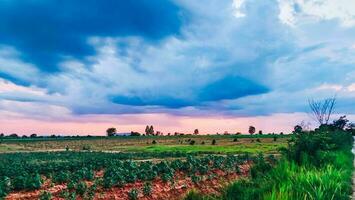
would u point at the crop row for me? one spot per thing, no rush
(117, 172)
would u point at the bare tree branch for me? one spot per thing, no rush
(322, 110)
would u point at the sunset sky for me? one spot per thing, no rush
(79, 67)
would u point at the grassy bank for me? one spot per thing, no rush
(316, 165)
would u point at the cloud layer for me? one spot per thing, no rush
(61, 59)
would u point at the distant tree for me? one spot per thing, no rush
(251, 130)
(14, 135)
(322, 110)
(53, 136)
(111, 131)
(33, 135)
(196, 132)
(2, 135)
(151, 130)
(340, 123)
(133, 133)
(24, 136)
(147, 130)
(297, 129)
(260, 132)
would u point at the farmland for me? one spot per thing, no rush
(100, 167)
(173, 167)
(224, 144)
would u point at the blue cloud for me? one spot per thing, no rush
(228, 87)
(45, 31)
(231, 87)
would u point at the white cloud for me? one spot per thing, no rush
(303, 11)
(238, 6)
(11, 64)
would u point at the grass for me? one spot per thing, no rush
(238, 148)
(225, 144)
(316, 166)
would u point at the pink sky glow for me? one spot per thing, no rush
(97, 124)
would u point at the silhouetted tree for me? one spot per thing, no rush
(260, 132)
(151, 130)
(33, 135)
(340, 123)
(111, 131)
(14, 135)
(322, 110)
(251, 130)
(297, 129)
(196, 132)
(147, 130)
(133, 133)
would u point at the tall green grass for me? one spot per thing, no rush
(314, 167)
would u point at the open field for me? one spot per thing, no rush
(224, 144)
(203, 167)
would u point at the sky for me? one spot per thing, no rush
(68, 67)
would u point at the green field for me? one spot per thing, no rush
(224, 144)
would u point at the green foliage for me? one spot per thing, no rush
(133, 194)
(193, 195)
(45, 196)
(34, 182)
(81, 188)
(147, 189)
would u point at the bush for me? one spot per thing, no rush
(81, 188)
(154, 142)
(193, 195)
(45, 196)
(147, 189)
(133, 194)
(86, 148)
(214, 142)
(19, 182)
(192, 142)
(34, 182)
(61, 177)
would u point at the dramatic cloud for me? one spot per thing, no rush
(177, 58)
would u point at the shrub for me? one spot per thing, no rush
(193, 195)
(61, 177)
(34, 182)
(154, 142)
(19, 182)
(235, 140)
(45, 196)
(195, 179)
(133, 194)
(147, 189)
(81, 188)
(86, 148)
(214, 142)
(192, 142)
